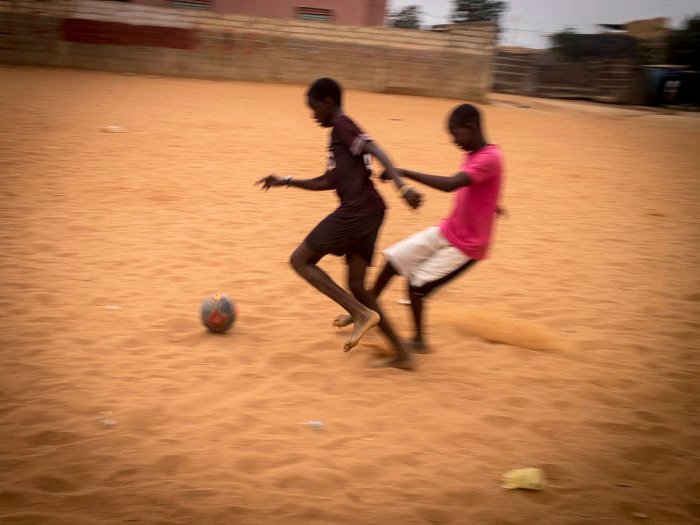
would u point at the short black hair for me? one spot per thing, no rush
(465, 115)
(326, 87)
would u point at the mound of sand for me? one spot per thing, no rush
(497, 328)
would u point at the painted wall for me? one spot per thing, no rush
(124, 37)
(349, 12)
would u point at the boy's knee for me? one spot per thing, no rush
(296, 261)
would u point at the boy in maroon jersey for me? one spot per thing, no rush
(351, 230)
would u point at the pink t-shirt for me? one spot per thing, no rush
(469, 225)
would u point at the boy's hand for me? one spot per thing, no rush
(413, 198)
(384, 176)
(270, 181)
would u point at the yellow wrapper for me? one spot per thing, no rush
(524, 478)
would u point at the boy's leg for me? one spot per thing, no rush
(357, 268)
(387, 273)
(404, 255)
(417, 344)
(417, 294)
(304, 261)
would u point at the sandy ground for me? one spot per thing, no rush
(573, 349)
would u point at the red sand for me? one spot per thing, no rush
(136, 415)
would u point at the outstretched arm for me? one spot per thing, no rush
(412, 197)
(321, 183)
(438, 182)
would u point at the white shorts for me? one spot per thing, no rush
(425, 257)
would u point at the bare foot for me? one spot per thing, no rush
(343, 320)
(395, 362)
(362, 326)
(417, 347)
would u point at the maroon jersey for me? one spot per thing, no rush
(351, 169)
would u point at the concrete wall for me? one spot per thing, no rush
(514, 70)
(124, 37)
(350, 12)
(542, 74)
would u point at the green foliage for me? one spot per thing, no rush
(573, 46)
(478, 11)
(684, 45)
(406, 18)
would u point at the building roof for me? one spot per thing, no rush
(646, 29)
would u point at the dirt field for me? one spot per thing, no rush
(574, 348)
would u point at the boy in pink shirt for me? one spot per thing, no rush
(438, 254)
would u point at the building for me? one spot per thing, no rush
(647, 29)
(348, 12)
(651, 34)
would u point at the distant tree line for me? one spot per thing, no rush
(681, 47)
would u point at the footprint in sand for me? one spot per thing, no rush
(284, 359)
(10, 499)
(170, 465)
(694, 508)
(499, 421)
(517, 402)
(51, 437)
(123, 477)
(648, 416)
(51, 484)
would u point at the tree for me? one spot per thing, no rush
(478, 11)
(406, 18)
(684, 45)
(570, 45)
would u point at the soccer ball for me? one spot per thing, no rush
(218, 312)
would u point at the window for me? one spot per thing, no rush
(313, 13)
(191, 4)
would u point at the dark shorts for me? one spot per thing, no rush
(342, 234)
